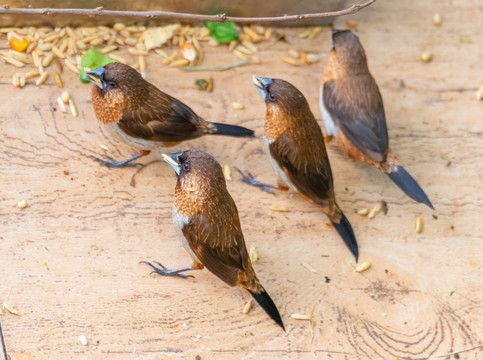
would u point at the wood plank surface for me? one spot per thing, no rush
(69, 262)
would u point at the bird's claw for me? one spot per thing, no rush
(113, 163)
(249, 179)
(162, 270)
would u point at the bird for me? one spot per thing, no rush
(353, 112)
(143, 116)
(297, 153)
(207, 223)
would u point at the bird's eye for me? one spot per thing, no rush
(111, 84)
(186, 167)
(272, 97)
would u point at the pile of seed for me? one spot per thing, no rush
(40, 48)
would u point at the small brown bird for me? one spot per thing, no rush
(353, 112)
(143, 116)
(297, 152)
(206, 220)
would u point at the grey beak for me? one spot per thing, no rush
(173, 160)
(261, 85)
(96, 76)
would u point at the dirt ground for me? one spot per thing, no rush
(69, 262)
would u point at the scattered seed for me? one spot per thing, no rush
(42, 78)
(13, 62)
(268, 33)
(104, 147)
(363, 211)
(108, 49)
(58, 53)
(312, 58)
(253, 254)
(289, 60)
(351, 24)
(251, 33)
(437, 19)
(22, 80)
(180, 63)
(61, 105)
(31, 74)
(363, 267)
(71, 66)
(119, 26)
(142, 63)
(303, 59)
(246, 309)
(305, 34)
(96, 42)
(479, 93)
(58, 80)
(10, 309)
(227, 172)
(281, 208)
(374, 211)
(250, 46)
(65, 97)
(46, 266)
(47, 60)
(309, 268)
(22, 204)
(73, 108)
(294, 53)
(426, 57)
(36, 58)
(419, 225)
(243, 50)
(300, 317)
(161, 52)
(82, 339)
(15, 80)
(237, 106)
(239, 54)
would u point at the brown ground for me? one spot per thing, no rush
(69, 262)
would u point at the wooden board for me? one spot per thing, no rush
(69, 262)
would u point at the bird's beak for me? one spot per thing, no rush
(96, 76)
(173, 160)
(261, 85)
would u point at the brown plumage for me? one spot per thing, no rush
(206, 219)
(297, 151)
(143, 116)
(353, 112)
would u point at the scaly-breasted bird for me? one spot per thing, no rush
(206, 220)
(297, 152)
(352, 112)
(143, 116)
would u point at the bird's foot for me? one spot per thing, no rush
(161, 270)
(250, 180)
(111, 163)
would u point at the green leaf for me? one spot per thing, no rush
(223, 33)
(92, 60)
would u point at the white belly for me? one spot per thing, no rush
(282, 178)
(141, 144)
(179, 223)
(330, 127)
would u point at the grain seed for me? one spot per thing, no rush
(289, 60)
(58, 80)
(61, 105)
(280, 208)
(22, 204)
(363, 211)
(253, 254)
(237, 106)
(374, 211)
(419, 225)
(247, 307)
(73, 109)
(227, 172)
(426, 57)
(363, 267)
(300, 317)
(42, 78)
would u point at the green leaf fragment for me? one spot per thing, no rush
(92, 60)
(222, 32)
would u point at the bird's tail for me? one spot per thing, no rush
(266, 302)
(231, 130)
(344, 229)
(407, 184)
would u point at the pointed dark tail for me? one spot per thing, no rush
(344, 229)
(410, 187)
(232, 130)
(266, 302)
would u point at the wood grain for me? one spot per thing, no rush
(69, 262)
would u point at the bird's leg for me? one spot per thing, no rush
(250, 180)
(124, 163)
(161, 270)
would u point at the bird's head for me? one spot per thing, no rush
(197, 171)
(280, 96)
(347, 49)
(116, 88)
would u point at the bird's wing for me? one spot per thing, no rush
(308, 171)
(220, 249)
(161, 118)
(359, 115)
